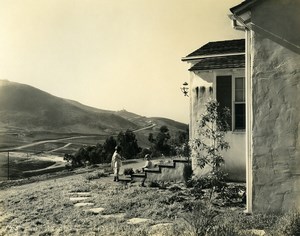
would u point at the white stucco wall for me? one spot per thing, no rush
(235, 163)
(276, 101)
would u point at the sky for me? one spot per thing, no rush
(110, 54)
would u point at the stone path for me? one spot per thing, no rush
(84, 200)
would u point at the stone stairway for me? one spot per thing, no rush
(163, 172)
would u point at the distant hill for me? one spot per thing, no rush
(29, 108)
(25, 109)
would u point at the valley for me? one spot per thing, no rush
(35, 125)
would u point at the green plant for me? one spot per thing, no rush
(129, 144)
(258, 221)
(96, 175)
(154, 184)
(210, 143)
(225, 229)
(187, 172)
(200, 220)
(143, 153)
(288, 224)
(128, 171)
(160, 143)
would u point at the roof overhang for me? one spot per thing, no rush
(242, 14)
(195, 58)
(244, 7)
(216, 63)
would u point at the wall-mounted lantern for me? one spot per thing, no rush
(185, 89)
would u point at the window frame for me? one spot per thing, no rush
(234, 102)
(234, 74)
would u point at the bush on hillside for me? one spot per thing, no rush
(128, 171)
(288, 224)
(210, 144)
(187, 172)
(128, 142)
(143, 153)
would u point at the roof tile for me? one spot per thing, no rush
(220, 47)
(224, 62)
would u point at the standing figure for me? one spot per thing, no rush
(116, 162)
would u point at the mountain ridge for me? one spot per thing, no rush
(25, 109)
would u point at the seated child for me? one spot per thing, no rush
(148, 164)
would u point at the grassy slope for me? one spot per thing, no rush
(44, 208)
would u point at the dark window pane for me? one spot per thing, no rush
(224, 94)
(240, 116)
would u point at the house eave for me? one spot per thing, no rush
(243, 7)
(210, 56)
(221, 69)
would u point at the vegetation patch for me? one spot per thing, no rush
(44, 208)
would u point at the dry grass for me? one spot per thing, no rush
(44, 208)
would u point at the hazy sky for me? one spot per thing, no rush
(110, 54)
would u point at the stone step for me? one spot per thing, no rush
(124, 179)
(153, 171)
(158, 169)
(166, 166)
(138, 175)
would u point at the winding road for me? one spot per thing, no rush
(61, 139)
(42, 142)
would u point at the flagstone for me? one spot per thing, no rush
(161, 225)
(96, 210)
(118, 215)
(82, 204)
(137, 221)
(160, 229)
(255, 232)
(78, 199)
(86, 194)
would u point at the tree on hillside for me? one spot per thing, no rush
(95, 154)
(160, 143)
(210, 144)
(109, 148)
(181, 143)
(129, 144)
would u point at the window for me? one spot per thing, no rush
(224, 94)
(231, 94)
(239, 104)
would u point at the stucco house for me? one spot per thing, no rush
(263, 92)
(217, 71)
(272, 102)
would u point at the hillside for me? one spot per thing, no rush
(31, 109)
(26, 111)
